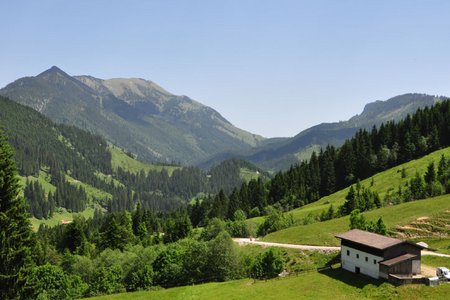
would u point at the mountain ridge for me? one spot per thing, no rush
(135, 114)
(281, 155)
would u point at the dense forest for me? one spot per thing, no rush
(139, 245)
(366, 153)
(61, 151)
(111, 252)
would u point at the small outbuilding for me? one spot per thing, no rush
(378, 256)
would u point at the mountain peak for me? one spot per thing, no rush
(54, 70)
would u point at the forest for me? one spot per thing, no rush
(60, 150)
(137, 245)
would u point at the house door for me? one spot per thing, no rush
(357, 270)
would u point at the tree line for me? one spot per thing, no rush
(59, 150)
(365, 154)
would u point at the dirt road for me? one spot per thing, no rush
(245, 241)
(242, 241)
(425, 252)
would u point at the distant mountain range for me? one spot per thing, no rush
(134, 114)
(282, 154)
(143, 118)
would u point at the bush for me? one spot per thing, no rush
(275, 221)
(268, 264)
(50, 282)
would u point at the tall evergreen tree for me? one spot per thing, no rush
(15, 228)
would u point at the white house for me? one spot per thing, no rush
(378, 256)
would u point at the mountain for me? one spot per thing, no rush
(134, 114)
(282, 154)
(63, 166)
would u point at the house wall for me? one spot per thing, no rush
(416, 269)
(350, 262)
(401, 249)
(404, 267)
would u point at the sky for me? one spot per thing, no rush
(273, 68)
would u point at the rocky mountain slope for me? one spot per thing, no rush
(135, 114)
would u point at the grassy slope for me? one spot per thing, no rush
(334, 284)
(323, 233)
(91, 191)
(247, 174)
(60, 215)
(43, 180)
(436, 261)
(119, 158)
(383, 182)
(442, 245)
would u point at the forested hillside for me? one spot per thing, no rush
(281, 154)
(122, 251)
(332, 169)
(145, 240)
(132, 113)
(66, 163)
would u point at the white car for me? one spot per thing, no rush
(443, 272)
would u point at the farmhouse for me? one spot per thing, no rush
(378, 256)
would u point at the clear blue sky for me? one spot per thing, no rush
(270, 67)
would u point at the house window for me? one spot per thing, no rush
(374, 261)
(367, 259)
(348, 252)
(357, 255)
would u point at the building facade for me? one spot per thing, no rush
(378, 256)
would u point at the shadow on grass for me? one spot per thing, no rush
(355, 280)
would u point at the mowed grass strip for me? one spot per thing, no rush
(332, 284)
(322, 233)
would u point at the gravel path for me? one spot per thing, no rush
(425, 252)
(242, 241)
(246, 241)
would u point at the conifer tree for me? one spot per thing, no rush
(15, 229)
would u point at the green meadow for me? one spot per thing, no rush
(331, 284)
(120, 158)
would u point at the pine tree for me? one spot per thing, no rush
(15, 229)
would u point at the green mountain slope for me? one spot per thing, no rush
(322, 233)
(333, 284)
(64, 169)
(134, 114)
(280, 155)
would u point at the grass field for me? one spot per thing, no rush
(91, 191)
(43, 179)
(247, 174)
(332, 284)
(382, 183)
(60, 215)
(442, 245)
(436, 261)
(119, 158)
(322, 233)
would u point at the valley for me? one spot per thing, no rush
(106, 220)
